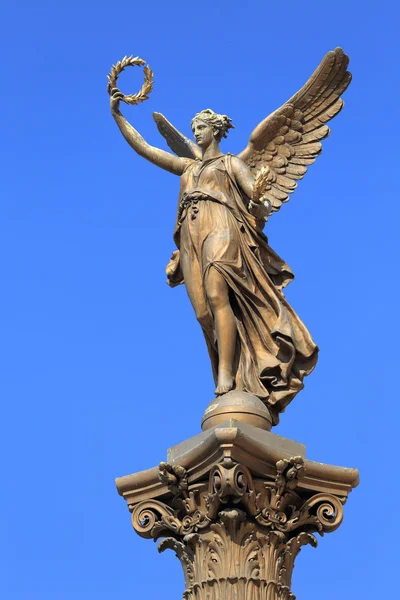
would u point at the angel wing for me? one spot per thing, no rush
(289, 140)
(180, 144)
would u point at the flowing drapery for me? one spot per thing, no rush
(274, 350)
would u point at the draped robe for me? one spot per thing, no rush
(214, 228)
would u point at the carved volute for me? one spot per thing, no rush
(237, 537)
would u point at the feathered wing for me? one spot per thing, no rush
(180, 144)
(289, 140)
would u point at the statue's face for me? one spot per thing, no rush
(203, 133)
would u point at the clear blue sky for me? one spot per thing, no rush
(103, 367)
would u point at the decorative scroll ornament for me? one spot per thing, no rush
(237, 536)
(150, 515)
(271, 505)
(130, 61)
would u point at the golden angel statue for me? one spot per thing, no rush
(234, 280)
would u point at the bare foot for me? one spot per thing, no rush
(225, 383)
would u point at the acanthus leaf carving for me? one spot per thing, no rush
(236, 535)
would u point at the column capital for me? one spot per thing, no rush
(236, 504)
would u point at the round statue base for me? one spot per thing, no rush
(237, 405)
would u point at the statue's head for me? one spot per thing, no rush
(208, 125)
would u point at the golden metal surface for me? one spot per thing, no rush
(256, 341)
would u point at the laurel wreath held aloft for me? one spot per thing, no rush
(130, 61)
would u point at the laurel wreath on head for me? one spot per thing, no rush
(130, 61)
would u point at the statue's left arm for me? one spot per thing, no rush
(243, 176)
(259, 207)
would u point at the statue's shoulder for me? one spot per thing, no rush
(233, 162)
(234, 158)
(189, 164)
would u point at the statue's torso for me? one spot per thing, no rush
(210, 178)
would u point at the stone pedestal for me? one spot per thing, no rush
(236, 503)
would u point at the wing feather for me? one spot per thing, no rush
(316, 134)
(180, 144)
(289, 140)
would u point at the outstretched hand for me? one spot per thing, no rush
(115, 98)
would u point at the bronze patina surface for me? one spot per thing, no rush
(236, 502)
(256, 341)
(237, 405)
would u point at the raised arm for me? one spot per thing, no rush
(165, 160)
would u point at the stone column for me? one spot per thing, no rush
(236, 503)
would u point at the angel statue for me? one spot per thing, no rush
(256, 341)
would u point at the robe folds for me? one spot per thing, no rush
(274, 350)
